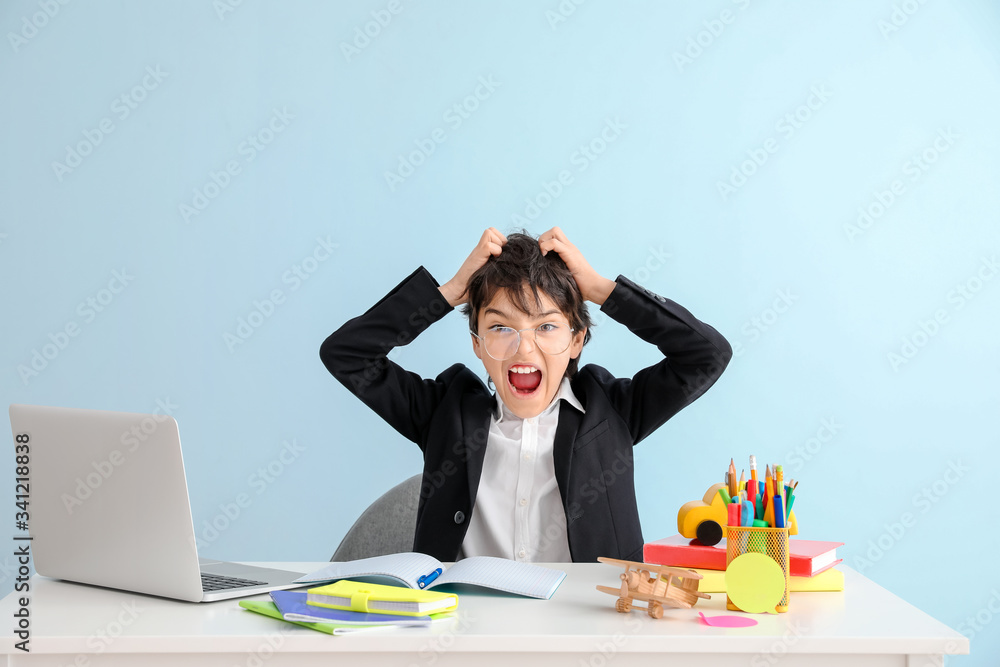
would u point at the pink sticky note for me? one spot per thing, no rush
(728, 621)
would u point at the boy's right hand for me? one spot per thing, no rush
(456, 289)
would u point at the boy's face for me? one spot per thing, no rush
(539, 386)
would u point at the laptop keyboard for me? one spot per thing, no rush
(214, 582)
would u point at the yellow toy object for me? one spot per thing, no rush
(656, 585)
(706, 519)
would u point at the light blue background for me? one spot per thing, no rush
(888, 89)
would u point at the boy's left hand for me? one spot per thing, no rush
(593, 286)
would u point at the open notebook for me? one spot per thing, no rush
(418, 570)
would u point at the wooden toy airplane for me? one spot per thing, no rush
(656, 585)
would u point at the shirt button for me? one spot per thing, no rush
(522, 553)
(530, 420)
(459, 516)
(524, 501)
(527, 457)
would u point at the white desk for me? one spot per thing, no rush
(864, 626)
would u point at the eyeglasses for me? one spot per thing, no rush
(502, 342)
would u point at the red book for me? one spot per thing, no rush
(806, 558)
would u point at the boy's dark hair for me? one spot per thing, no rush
(520, 265)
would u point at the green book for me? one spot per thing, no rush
(267, 608)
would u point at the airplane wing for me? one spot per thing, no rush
(622, 563)
(673, 571)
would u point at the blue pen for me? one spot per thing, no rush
(779, 512)
(423, 581)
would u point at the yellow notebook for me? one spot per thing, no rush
(714, 581)
(357, 596)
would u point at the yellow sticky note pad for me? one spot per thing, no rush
(755, 583)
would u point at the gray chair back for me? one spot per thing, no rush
(386, 527)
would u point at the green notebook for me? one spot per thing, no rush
(267, 608)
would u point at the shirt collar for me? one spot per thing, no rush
(565, 393)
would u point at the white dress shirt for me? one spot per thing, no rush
(519, 512)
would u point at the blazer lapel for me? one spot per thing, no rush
(476, 430)
(562, 447)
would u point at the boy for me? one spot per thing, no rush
(542, 471)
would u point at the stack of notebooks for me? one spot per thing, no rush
(811, 562)
(354, 606)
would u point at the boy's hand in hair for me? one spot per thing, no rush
(593, 286)
(456, 289)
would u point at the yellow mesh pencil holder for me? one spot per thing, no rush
(772, 542)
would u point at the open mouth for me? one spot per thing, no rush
(524, 380)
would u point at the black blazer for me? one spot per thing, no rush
(449, 417)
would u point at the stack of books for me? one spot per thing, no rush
(353, 606)
(811, 562)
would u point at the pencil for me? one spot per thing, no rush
(779, 486)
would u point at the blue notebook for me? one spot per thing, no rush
(271, 610)
(293, 607)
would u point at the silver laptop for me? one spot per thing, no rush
(109, 506)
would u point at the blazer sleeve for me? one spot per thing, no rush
(695, 356)
(356, 354)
